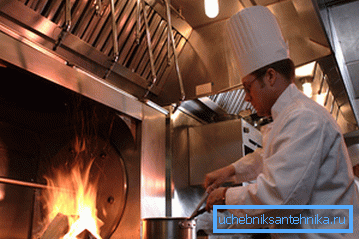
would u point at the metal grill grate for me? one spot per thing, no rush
(232, 102)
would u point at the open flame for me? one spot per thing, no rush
(74, 195)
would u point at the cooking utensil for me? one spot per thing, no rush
(195, 212)
(199, 212)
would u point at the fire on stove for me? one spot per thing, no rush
(71, 199)
(58, 148)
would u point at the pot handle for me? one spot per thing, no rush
(187, 224)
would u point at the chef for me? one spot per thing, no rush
(354, 156)
(304, 160)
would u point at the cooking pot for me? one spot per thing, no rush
(169, 228)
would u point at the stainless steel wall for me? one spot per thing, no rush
(153, 164)
(182, 199)
(341, 22)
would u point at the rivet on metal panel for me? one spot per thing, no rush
(111, 200)
(98, 7)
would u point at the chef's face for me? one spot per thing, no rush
(258, 93)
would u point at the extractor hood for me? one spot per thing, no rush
(111, 41)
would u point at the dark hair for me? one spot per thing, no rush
(284, 67)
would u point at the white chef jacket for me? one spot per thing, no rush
(356, 180)
(304, 161)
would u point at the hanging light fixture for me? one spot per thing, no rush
(211, 8)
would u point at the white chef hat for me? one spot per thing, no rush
(256, 39)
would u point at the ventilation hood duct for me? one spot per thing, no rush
(204, 57)
(58, 38)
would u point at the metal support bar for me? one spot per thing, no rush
(326, 97)
(67, 26)
(169, 62)
(169, 29)
(177, 12)
(114, 38)
(138, 25)
(29, 185)
(321, 84)
(149, 46)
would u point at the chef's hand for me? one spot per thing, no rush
(217, 197)
(218, 177)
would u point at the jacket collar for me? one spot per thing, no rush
(284, 100)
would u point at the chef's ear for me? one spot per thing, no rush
(271, 75)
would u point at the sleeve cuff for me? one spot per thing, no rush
(249, 166)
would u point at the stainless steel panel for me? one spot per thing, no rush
(334, 79)
(25, 56)
(346, 22)
(305, 37)
(183, 198)
(353, 69)
(332, 21)
(213, 146)
(153, 167)
(16, 209)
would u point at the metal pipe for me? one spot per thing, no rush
(337, 116)
(321, 84)
(67, 26)
(169, 28)
(168, 48)
(138, 29)
(28, 184)
(149, 46)
(114, 38)
(178, 12)
(326, 97)
(114, 29)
